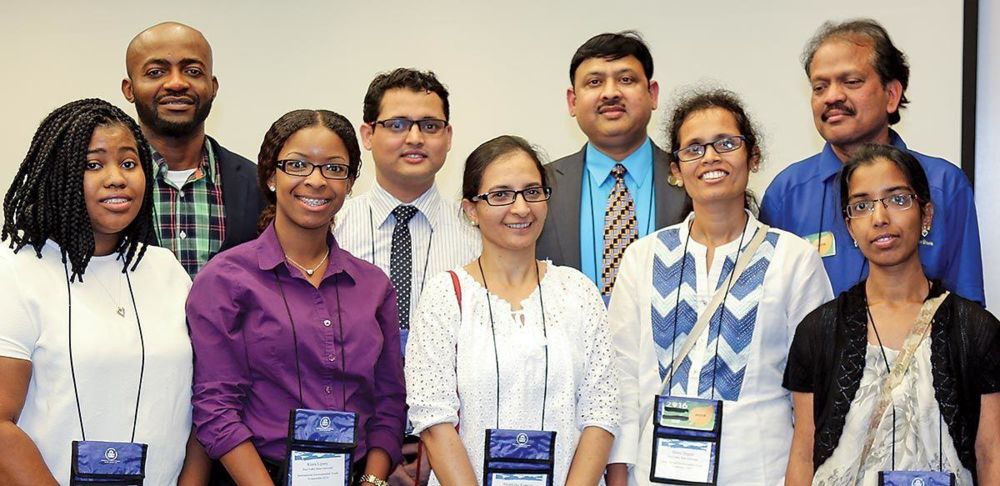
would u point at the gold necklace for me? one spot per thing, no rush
(119, 309)
(309, 271)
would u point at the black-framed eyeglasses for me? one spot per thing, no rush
(696, 151)
(506, 197)
(399, 126)
(303, 168)
(897, 202)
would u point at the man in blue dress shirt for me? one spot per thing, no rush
(858, 79)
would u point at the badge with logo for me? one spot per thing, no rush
(98, 463)
(519, 457)
(321, 447)
(823, 242)
(686, 437)
(916, 478)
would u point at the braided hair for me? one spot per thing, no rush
(45, 201)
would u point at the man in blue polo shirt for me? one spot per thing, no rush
(859, 80)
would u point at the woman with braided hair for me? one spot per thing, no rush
(93, 319)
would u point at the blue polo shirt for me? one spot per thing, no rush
(805, 199)
(597, 185)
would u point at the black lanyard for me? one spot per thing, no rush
(885, 360)
(722, 309)
(295, 340)
(545, 336)
(72, 368)
(427, 256)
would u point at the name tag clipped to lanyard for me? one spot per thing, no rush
(686, 437)
(519, 457)
(321, 447)
(97, 463)
(916, 478)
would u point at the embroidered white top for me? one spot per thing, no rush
(451, 371)
(784, 281)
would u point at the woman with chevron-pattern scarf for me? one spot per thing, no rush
(702, 315)
(897, 381)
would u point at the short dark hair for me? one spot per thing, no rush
(279, 133)
(402, 78)
(889, 62)
(46, 202)
(613, 46)
(697, 100)
(903, 160)
(489, 152)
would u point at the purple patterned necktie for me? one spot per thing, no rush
(620, 228)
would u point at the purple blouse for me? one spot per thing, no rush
(245, 381)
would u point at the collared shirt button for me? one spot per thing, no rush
(329, 390)
(332, 358)
(181, 193)
(182, 235)
(326, 322)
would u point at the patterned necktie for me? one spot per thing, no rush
(620, 228)
(401, 261)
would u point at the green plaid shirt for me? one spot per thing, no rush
(190, 220)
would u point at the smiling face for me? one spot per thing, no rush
(850, 105)
(310, 202)
(612, 102)
(714, 179)
(406, 163)
(515, 227)
(113, 185)
(887, 237)
(170, 79)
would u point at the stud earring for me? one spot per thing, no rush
(272, 188)
(855, 243)
(925, 231)
(674, 181)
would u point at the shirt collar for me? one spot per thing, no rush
(638, 164)
(207, 162)
(270, 255)
(382, 203)
(829, 164)
(751, 229)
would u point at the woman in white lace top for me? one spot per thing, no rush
(461, 354)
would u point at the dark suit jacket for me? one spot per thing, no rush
(241, 198)
(560, 239)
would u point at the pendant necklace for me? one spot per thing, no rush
(119, 309)
(309, 271)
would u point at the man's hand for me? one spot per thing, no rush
(405, 473)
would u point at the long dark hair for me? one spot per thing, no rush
(45, 201)
(279, 133)
(487, 153)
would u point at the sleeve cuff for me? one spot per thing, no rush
(224, 441)
(625, 448)
(388, 441)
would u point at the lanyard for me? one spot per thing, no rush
(295, 340)
(496, 355)
(72, 369)
(722, 309)
(885, 360)
(427, 255)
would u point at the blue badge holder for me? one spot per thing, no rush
(519, 457)
(320, 443)
(686, 437)
(97, 463)
(916, 478)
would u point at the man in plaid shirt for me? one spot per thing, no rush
(205, 198)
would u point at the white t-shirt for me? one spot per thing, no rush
(451, 373)
(784, 281)
(106, 354)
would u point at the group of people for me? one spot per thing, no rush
(623, 315)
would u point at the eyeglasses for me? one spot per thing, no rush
(896, 202)
(399, 126)
(696, 151)
(507, 197)
(302, 168)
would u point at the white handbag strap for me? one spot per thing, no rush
(720, 295)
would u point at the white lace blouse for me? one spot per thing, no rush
(918, 426)
(451, 368)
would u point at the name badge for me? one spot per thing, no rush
(686, 437)
(519, 457)
(321, 447)
(824, 242)
(916, 478)
(98, 463)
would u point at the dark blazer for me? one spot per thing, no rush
(560, 239)
(241, 198)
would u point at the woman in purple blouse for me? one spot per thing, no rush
(290, 320)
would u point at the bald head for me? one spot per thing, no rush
(169, 36)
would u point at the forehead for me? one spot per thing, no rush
(515, 169)
(315, 140)
(407, 103)
(841, 54)
(605, 66)
(171, 44)
(708, 123)
(876, 178)
(111, 135)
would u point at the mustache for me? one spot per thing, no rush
(612, 103)
(838, 106)
(194, 100)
